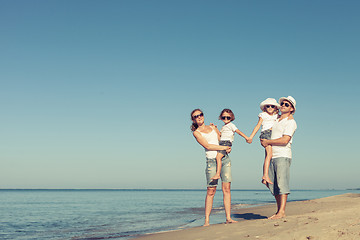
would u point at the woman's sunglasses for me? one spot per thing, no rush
(286, 104)
(270, 106)
(225, 117)
(199, 115)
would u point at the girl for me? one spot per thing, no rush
(267, 118)
(226, 137)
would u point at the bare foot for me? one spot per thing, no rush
(206, 224)
(230, 221)
(277, 216)
(266, 180)
(217, 176)
(265, 183)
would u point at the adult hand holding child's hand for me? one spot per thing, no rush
(264, 142)
(228, 150)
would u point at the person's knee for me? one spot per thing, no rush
(226, 189)
(211, 192)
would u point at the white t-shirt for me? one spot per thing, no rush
(284, 127)
(228, 131)
(268, 120)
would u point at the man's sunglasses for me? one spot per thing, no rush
(286, 104)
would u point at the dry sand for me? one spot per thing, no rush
(336, 217)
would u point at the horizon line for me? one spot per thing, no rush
(170, 189)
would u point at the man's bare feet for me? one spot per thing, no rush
(217, 176)
(230, 221)
(277, 216)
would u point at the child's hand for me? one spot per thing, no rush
(249, 140)
(211, 124)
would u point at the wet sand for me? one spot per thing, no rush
(330, 218)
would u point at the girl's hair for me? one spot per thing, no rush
(229, 112)
(194, 126)
(276, 111)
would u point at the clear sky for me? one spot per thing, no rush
(98, 94)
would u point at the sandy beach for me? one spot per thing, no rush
(336, 217)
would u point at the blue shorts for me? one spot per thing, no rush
(279, 173)
(210, 171)
(224, 143)
(266, 134)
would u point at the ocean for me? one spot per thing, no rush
(119, 214)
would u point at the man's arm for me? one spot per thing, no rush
(284, 140)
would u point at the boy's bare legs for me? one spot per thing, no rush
(227, 201)
(281, 204)
(208, 204)
(268, 155)
(219, 156)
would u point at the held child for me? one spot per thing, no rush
(226, 134)
(267, 119)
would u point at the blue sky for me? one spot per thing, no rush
(98, 94)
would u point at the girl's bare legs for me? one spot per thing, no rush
(208, 204)
(268, 155)
(227, 201)
(219, 156)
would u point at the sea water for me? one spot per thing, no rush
(119, 214)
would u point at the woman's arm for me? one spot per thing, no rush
(256, 129)
(212, 147)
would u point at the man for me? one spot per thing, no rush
(281, 139)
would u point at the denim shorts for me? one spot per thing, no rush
(279, 173)
(224, 143)
(210, 171)
(266, 134)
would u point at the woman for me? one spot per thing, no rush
(208, 137)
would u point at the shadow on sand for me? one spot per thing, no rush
(248, 216)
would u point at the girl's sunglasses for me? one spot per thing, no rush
(225, 117)
(286, 104)
(199, 115)
(270, 106)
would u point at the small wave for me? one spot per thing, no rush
(192, 210)
(242, 205)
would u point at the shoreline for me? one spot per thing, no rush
(335, 217)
